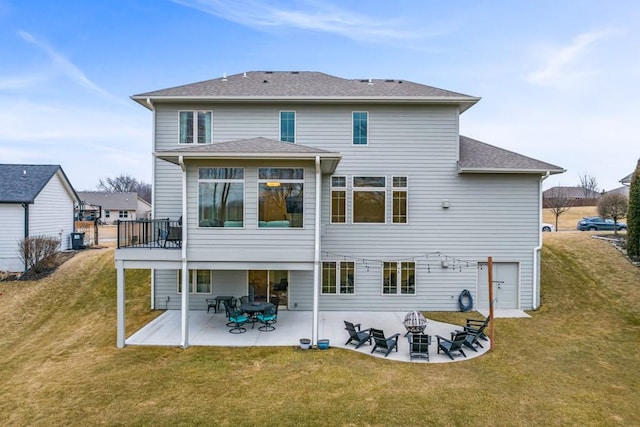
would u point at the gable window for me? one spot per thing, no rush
(195, 127)
(360, 125)
(199, 281)
(369, 199)
(399, 199)
(338, 277)
(391, 271)
(221, 197)
(280, 197)
(107, 213)
(288, 126)
(123, 214)
(338, 199)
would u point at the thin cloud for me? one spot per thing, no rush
(561, 64)
(70, 70)
(324, 18)
(19, 83)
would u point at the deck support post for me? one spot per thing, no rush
(120, 304)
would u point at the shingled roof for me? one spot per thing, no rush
(306, 85)
(23, 183)
(479, 157)
(125, 201)
(252, 148)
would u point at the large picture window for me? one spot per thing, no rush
(338, 199)
(199, 281)
(338, 277)
(221, 197)
(360, 127)
(288, 126)
(195, 127)
(280, 197)
(391, 271)
(369, 199)
(399, 199)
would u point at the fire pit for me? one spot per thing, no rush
(415, 322)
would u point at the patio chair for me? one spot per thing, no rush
(275, 300)
(419, 346)
(237, 319)
(473, 335)
(453, 345)
(356, 336)
(229, 307)
(212, 303)
(384, 344)
(267, 318)
(475, 325)
(244, 299)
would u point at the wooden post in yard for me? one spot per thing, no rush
(490, 280)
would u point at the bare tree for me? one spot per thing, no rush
(558, 202)
(126, 184)
(614, 206)
(589, 184)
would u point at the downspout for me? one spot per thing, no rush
(537, 249)
(26, 227)
(153, 193)
(316, 261)
(186, 286)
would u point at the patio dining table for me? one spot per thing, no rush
(253, 308)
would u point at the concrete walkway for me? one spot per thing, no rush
(209, 329)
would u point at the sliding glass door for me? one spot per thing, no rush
(268, 283)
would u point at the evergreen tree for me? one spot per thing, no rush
(633, 215)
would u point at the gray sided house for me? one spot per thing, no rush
(34, 200)
(111, 207)
(331, 194)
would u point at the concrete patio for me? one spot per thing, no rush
(209, 329)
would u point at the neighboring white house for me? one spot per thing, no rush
(110, 207)
(332, 194)
(34, 200)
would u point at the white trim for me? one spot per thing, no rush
(195, 127)
(384, 189)
(295, 125)
(317, 255)
(404, 189)
(337, 277)
(233, 181)
(399, 278)
(352, 123)
(346, 198)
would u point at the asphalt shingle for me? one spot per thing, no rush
(23, 183)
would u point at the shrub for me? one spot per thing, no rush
(36, 251)
(633, 215)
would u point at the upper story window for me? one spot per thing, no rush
(280, 197)
(221, 197)
(123, 214)
(338, 199)
(399, 199)
(288, 126)
(360, 126)
(338, 277)
(199, 281)
(369, 199)
(406, 271)
(195, 127)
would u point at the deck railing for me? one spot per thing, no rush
(150, 233)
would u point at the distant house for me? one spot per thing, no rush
(624, 190)
(110, 207)
(573, 193)
(34, 200)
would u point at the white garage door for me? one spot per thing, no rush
(505, 285)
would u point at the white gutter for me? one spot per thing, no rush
(316, 261)
(537, 249)
(153, 193)
(184, 340)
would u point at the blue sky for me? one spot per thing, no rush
(559, 81)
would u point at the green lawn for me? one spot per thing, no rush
(575, 362)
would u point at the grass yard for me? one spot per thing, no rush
(568, 219)
(575, 362)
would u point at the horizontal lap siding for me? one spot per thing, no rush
(11, 232)
(489, 215)
(52, 213)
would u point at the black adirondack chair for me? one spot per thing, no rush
(453, 345)
(478, 326)
(357, 337)
(384, 344)
(419, 346)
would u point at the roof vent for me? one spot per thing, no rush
(370, 81)
(390, 81)
(295, 72)
(244, 74)
(224, 77)
(399, 81)
(265, 81)
(268, 72)
(24, 173)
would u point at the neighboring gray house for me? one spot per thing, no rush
(573, 193)
(627, 179)
(624, 190)
(110, 207)
(333, 194)
(34, 200)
